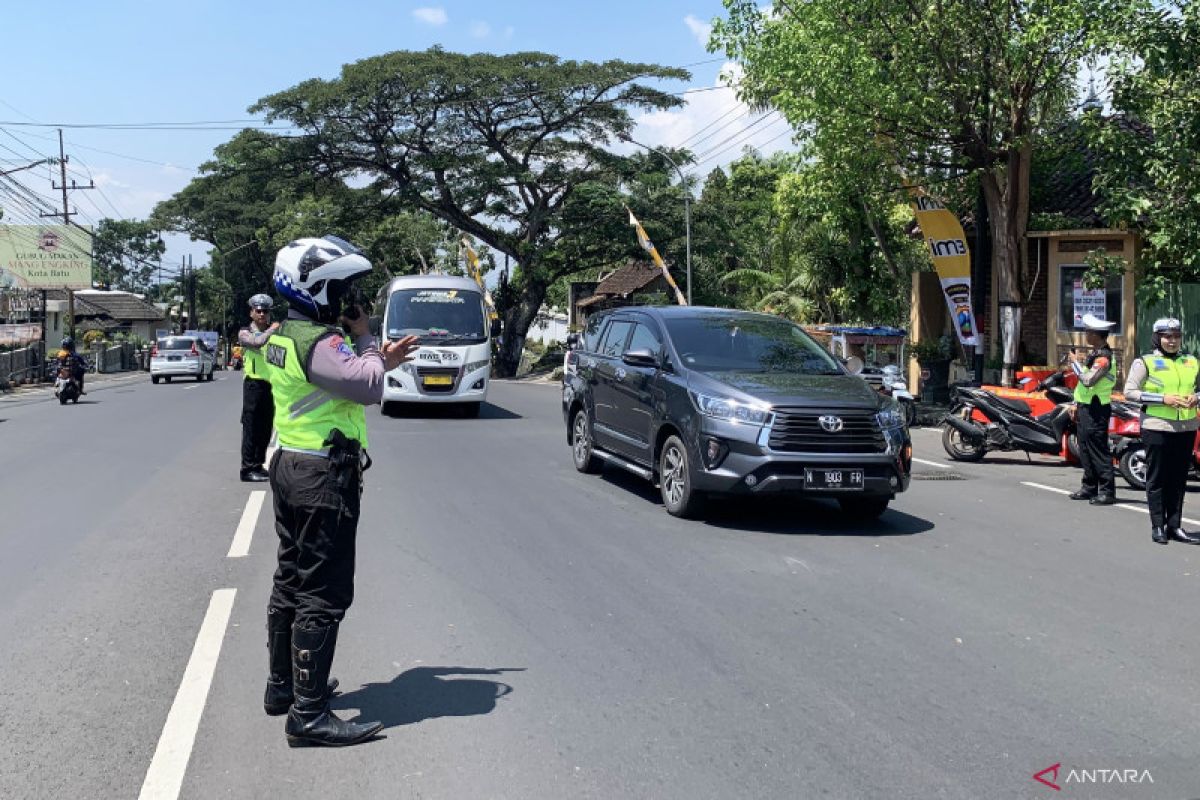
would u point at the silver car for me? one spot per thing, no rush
(181, 356)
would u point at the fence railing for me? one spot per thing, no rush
(20, 366)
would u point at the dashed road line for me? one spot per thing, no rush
(245, 529)
(1045, 488)
(937, 464)
(1123, 506)
(165, 775)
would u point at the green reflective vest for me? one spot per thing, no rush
(1103, 388)
(1170, 376)
(253, 364)
(304, 414)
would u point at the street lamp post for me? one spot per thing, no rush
(687, 206)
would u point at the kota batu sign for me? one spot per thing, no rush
(45, 257)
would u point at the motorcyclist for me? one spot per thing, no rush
(320, 382)
(67, 357)
(1167, 384)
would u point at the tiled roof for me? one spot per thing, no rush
(121, 305)
(628, 279)
(82, 307)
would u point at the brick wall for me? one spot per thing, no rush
(1034, 318)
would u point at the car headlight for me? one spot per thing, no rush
(731, 410)
(890, 417)
(474, 365)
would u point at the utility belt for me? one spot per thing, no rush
(347, 459)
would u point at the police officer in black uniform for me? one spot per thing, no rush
(1092, 410)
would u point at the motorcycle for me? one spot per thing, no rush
(893, 385)
(66, 387)
(1130, 452)
(980, 421)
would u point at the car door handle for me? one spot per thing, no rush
(620, 373)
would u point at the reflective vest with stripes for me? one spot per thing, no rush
(1103, 388)
(254, 365)
(1170, 376)
(305, 415)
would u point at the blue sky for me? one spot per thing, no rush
(135, 62)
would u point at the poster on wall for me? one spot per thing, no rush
(1087, 301)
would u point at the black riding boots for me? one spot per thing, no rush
(278, 698)
(310, 722)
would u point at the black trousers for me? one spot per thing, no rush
(258, 415)
(1168, 462)
(316, 520)
(1091, 420)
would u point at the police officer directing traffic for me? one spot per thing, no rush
(1166, 383)
(1093, 408)
(258, 411)
(320, 385)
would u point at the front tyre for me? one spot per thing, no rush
(958, 446)
(1133, 467)
(679, 495)
(581, 444)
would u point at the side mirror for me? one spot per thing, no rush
(375, 325)
(854, 365)
(494, 331)
(640, 358)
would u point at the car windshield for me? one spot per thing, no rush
(176, 343)
(714, 343)
(437, 315)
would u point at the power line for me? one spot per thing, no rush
(701, 157)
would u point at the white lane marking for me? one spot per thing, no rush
(245, 529)
(1044, 487)
(165, 776)
(937, 464)
(1124, 506)
(797, 562)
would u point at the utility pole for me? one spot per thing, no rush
(66, 215)
(191, 292)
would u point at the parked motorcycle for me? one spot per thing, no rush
(893, 385)
(66, 387)
(979, 421)
(1130, 452)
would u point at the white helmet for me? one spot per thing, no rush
(1167, 324)
(314, 275)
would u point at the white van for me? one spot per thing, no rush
(453, 362)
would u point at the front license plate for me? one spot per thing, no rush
(439, 380)
(838, 478)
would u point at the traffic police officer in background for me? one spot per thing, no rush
(1093, 408)
(1166, 383)
(258, 411)
(320, 381)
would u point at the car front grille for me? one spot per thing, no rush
(450, 372)
(799, 431)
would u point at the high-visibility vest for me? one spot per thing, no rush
(305, 415)
(1103, 388)
(254, 365)
(1170, 376)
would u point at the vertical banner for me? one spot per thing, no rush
(948, 250)
(649, 247)
(473, 260)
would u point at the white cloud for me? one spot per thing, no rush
(714, 125)
(431, 15)
(700, 29)
(480, 29)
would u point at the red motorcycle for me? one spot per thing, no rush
(1130, 452)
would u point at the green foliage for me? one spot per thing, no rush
(1150, 176)
(931, 351)
(126, 254)
(506, 148)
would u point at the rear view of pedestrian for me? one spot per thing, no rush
(258, 409)
(1166, 383)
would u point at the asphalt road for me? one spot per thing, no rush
(525, 631)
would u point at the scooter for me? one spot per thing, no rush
(980, 421)
(66, 388)
(1129, 451)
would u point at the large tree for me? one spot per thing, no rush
(1149, 174)
(509, 149)
(928, 89)
(126, 254)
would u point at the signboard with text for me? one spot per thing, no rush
(1087, 301)
(45, 257)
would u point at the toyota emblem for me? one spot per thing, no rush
(830, 423)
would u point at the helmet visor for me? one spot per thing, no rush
(343, 245)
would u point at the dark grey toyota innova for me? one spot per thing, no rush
(710, 400)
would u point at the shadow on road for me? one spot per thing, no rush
(775, 514)
(445, 411)
(425, 693)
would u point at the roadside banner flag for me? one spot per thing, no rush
(477, 274)
(948, 250)
(649, 247)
